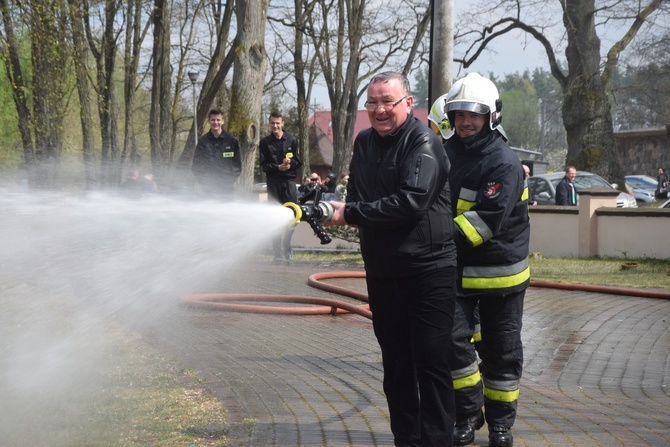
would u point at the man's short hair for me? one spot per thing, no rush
(276, 114)
(214, 112)
(388, 75)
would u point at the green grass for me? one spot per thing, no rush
(643, 273)
(647, 273)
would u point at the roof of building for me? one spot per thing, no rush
(322, 120)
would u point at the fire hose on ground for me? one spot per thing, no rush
(316, 213)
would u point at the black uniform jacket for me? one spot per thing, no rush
(217, 161)
(490, 200)
(398, 195)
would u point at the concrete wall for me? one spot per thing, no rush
(553, 230)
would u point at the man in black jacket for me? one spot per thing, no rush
(398, 197)
(279, 160)
(216, 161)
(565, 190)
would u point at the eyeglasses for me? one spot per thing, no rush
(386, 105)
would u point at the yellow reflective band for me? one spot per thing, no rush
(463, 206)
(467, 381)
(500, 282)
(500, 396)
(476, 337)
(524, 196)
(228, 154)
(469, 230)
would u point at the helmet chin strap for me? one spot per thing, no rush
(472, 140)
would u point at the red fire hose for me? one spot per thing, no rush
(329, 306)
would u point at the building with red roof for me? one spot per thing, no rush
(320, 130)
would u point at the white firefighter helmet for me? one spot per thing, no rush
(475, 93)
(438, 116)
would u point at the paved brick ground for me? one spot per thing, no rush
(597, 367)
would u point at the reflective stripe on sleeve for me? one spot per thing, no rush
(474, 228)
(466, 200)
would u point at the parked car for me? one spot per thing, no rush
(639, 181)
(641, 195)
(643, 187)
(543, 186)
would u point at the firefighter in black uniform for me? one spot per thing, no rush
(490, 206)
(279, 160)
(217, 161)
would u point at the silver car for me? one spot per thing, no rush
(644, 187)
(543, 187)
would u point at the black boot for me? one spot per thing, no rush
(500, 436)
(464, 430)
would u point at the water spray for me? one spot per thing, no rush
(313, 211)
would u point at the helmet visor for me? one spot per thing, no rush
(468, 106)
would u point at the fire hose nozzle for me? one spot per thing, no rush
(315, 214)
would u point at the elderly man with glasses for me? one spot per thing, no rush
(398, 197)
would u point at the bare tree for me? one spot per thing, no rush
(159, 119)
(354, 40)
(220, 63)
(80, 53)
(10, 55)
(586, 110)
(303, 68)
(248, 81)
(135, 34)
(40, 118)
(104, 48)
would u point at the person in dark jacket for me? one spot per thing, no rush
(398, 197)
(566, 194)
(490, 205)
(662, 186)
(278, 153)
(312, 183)
(217, 162)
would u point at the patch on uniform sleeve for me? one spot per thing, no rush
(493, 189)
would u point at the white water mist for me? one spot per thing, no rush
(69, 263)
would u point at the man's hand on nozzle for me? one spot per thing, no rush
(338, 214)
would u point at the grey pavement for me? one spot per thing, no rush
(597, 367)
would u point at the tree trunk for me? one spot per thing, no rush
(248, 82)
(159, 118)
(133, 44)
(80, 54)
(586, 109)
(19, 88)
(48, 25)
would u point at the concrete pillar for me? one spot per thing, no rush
(589, 201)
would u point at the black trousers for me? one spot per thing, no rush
(412, 319)
(500, 349)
